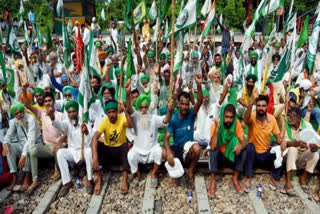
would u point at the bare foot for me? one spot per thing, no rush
(98, 186)
(124, 186)
(26, 182)
(13, 181)
(212, 189)
(33, 186)
(274, 181)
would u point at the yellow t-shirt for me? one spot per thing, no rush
(114, 134)
(38, 119)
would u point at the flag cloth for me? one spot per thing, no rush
(49, 39)
(7, 74)
(304, 35)
(284, 65)
(21, 11)
(209, 20)
(206, 8)
(178, 57)
(239, 76)
(12, 41)
(130, 64)
(33, 33)
(127, 15)
(256, 18)
(291, 6)
(139, 13)
(85, 96)
(165, 5)
(93, 67)
(69, 27)
(59, 7)
(221, 21)
(40, 42)
(66, 45)
(187, 17)
(103, 15)
(153, 12)
(26, 35)
(313, 43)
(79, 51)
(290, 22)
(273, 5)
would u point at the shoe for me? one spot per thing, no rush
(63, 192)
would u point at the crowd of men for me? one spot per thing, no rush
(138, 120)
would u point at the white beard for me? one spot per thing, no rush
(74, 122)
(215, 87)
(206, 107)
(23, 122)
(144, 120)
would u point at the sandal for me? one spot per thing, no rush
(280, 187)
(291, 193)
(31, 189)
(135, 182)
(247, 187)
(305, 189)
(154, 182)
(238, 188)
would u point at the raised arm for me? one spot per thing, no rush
(198, 104)
(127, 87)
(26, 101)
(170, 111)
(247, 116)
(225, 92)
(126, 113)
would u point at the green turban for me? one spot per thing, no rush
(117, 71)
(151, 54)
(98, 44)
(168, 55)
(72, 104)
(101, 91)
(69, 89)
(110, 105)
(278, 44)
(254, 54)
(162, 55)
(195, 54)
(109, 50)
(144, 78)
(227, 22)
(16, 107)
(252, 76)
(38, 90)
(141, 99)
(25, 42)
(206, 93)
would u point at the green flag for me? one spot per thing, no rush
(164, 8)
(59, 7)
(127, 15)
(139, 13)
(178, 58)
(86, 96)
(313, 43)
(49, 39)
(93, 67)
(12, 41)
(7, 74)
(304, 35)
(209, 20)
(153, 12)
(290, 22)
(66, 45)
(130, 64)
(21, 11)
(39, 37)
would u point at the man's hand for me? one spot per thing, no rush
(127, 86)
(170, 159)
(205, 152)
(237, 149)
(50, 112)
(228, 83)
(95, 164)
(156, 89)
(22, 162)
(84, 129)
(56, 148)
(301, 144)
(6, 150)
(170, 104)
(121, 106)
(198, 78)
(156, 68)
(283, 145)
(313, 147)
(255, 96)
(25, 85)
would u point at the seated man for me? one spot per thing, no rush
(115, 145)
(227, 144)
(261, 125)
(72, 129)
(181, 127)
(300, 154)
(146, 148)
(23, 133)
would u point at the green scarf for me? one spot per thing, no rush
(227, 136)
(255, 71)
(302, 125)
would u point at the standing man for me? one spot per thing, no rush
(32, 16)
(181, 127)
(114, 147)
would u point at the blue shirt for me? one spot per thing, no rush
(32, 17)
(182, 130)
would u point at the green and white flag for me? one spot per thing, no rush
(221, 21)
(156, 32)
(178, 58)
(290, 22)
(26, 35)
(108, 2)
(39, 37)
(59, 7)
(33, 33)
(209, 21)
(21, 11)
(139, 13)
(130, 65)
(12, 41)
(93, 67)
(206, 8)
(66, 45)
(187, 17)
(86, 96)
(257, 15)
(304, 34)
(7, 74)
(313, 43)
(103, 15)
(69, 26)
(291, 7)
(273, 5)
(153, 12)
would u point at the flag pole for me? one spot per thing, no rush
(266, 21)
(82, 141)
(172, 48)
(214, 38)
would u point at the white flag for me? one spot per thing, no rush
(21, 11)
(103, 15)
(93, 67)
(206, 8)
(153, 12)
(313, 43)
(178, 58)
(273, 5)
(59, 7)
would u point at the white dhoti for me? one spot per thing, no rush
(73, 156)
(202, 140)
(134, 157)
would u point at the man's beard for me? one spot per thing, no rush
(96, 90)
(218, 64)
(23, 122)
(261, 113)
(102, 63)
(74, 121)
(205, 106)
(146, 90)
(249, 87)
(144, 120)
(215, 86)
(227, 125)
